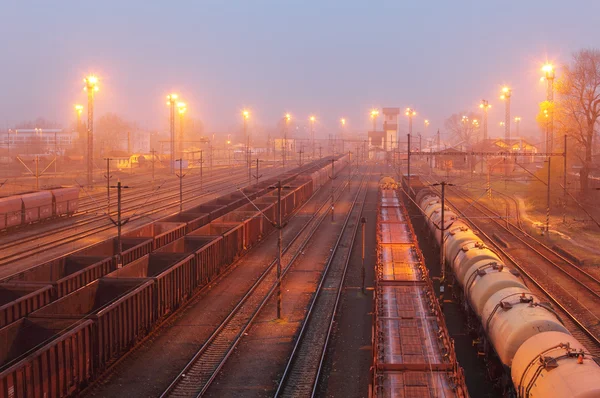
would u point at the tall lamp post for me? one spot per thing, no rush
(172, 103)
(91, 86)
(485, 106)
(517, 122)
(410, 113)
(287, 119)
(312, 120)
(342, 132)
(425, 126)
(181, 109)
(374, 114)
(506, 94)
(548, 70)
(245, 117)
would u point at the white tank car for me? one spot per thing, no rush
(555, 364)
(513, 315)
(435, 222)
(469, 254)
(458, 235)
(485, 278)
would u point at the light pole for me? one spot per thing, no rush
(548, 70)
(171, 103)
(181, 109)
(312, 134)
(425, 126)
(78, 110)
(342, 132)
(91, 86)
(485, 106)
(506, 94)
(287, 119)
(442, 228)
(245, 117)
(374, 114)
(517, 122)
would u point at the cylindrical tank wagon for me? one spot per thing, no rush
(525, 335)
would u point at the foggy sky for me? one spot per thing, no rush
(329, 58)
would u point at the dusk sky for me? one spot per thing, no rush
(329, 58)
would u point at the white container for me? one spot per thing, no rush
(470, 254)
(509, 327)
(543, 368)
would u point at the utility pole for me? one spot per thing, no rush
(320, 152)
(201, 167)
(249, 164)
(257, 176)
(300, 158)
(119, 223)
(171, 102)
(442, 228)
(55, 151)
(565, 170)
(153, 152)
(506, 94)
(363, 221)
(548, 70)
(180, 175)
(37, 173)
(332, 177)
(129, 143)
(408, 163)
(279, 249)
(181, 109)
(108, 177)
(485, 106)
(312, 134)
(548, 199)
(91, 86)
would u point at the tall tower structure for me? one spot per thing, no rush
(390, 127)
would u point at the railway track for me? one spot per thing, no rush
(303, 368)
(70, 236)
(85, 217)
(198, 374)
(570, 288)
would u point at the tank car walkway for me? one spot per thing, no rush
(413, 354)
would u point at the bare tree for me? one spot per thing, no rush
(111, 129)
(578, 107)
(464, 127)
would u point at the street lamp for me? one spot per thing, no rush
(78, 110)
(548, 70)
(181, 109)
(506, 94)
(312, 120)
(171, 103)
(287, 119)
(245, 117)
(374, 114)
(343, 124)
(91, 86)
(485, 106)
(517, 122)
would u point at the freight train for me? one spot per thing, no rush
(19, 210)
(518, 329)
(63, 322)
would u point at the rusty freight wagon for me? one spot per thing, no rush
(160, 232)
(207, 251)
(251, 225)
(121, 309)
(47, 358)
(66, 274)
(132, 249)
(233, 238)
(191, 219)
(19, 299)
(172, 274)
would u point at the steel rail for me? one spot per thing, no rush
(193, 380)
(301, 377)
